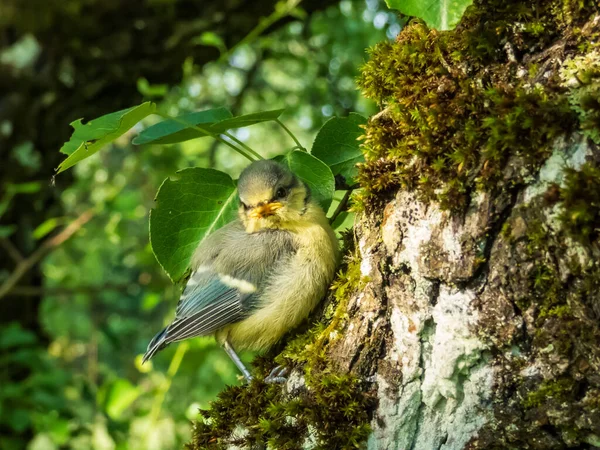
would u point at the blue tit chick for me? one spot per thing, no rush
(262, 274)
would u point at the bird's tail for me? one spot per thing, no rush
(156, 344)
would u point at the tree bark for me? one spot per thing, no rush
(474, 319)
(464, 361)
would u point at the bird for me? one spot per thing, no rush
(260, 275)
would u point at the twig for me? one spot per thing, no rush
(263, 23)
(341, 206)
(212, 154)
(12, 251)
(26, 264)
(235, 105)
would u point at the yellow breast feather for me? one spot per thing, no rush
(295, 289)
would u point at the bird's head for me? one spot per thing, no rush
(270, 196)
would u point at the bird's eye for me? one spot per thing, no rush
(281, 192)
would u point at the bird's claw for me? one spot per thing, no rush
(277, 375)
(246, 377)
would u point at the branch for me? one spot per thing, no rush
(12, 251)
(287, 130)
(26, 264)
(285, 9)
(207, 132)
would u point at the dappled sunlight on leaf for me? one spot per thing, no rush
(90, 137)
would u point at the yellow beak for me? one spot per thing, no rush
(264, 210)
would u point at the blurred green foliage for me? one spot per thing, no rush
(104, 294)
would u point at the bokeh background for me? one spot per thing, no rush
(81, 293)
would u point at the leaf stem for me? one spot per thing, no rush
(207, 132)
(237, 149)
(237, 141)
(287, 130)
(166, 384)
(341, 206)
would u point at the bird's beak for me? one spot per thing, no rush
(265, 210)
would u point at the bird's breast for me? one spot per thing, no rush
(290, 292)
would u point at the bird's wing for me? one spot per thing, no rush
(209, 302)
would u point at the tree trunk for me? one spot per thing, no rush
(468, 314)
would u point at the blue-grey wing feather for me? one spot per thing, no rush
(206, 305)
(204, 309)
(203, 288)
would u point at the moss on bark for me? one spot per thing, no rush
(478, 107)
(548, 389)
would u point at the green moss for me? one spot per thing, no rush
(580, 196)
(581, 76)
(558, 411)
(459, 113)
(537, 236)
(309, 348)
(556, 391)
(333, 410)
(560, 311)
(506, 231)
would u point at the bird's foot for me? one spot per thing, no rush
(277, 375)
(246, 377)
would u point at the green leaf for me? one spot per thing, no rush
(30, 187)
(170, 131)
(189, 206)
(120, 397)
(246, 120)
(214, 121)
(47, 226)
(210, 39)
(19, 419)
(337, 146)
(7, 230)
(343, 221)
(13, 335)
(88, 138)
(11, 190)
(151, 90)
(314, 173)
(438, 14)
